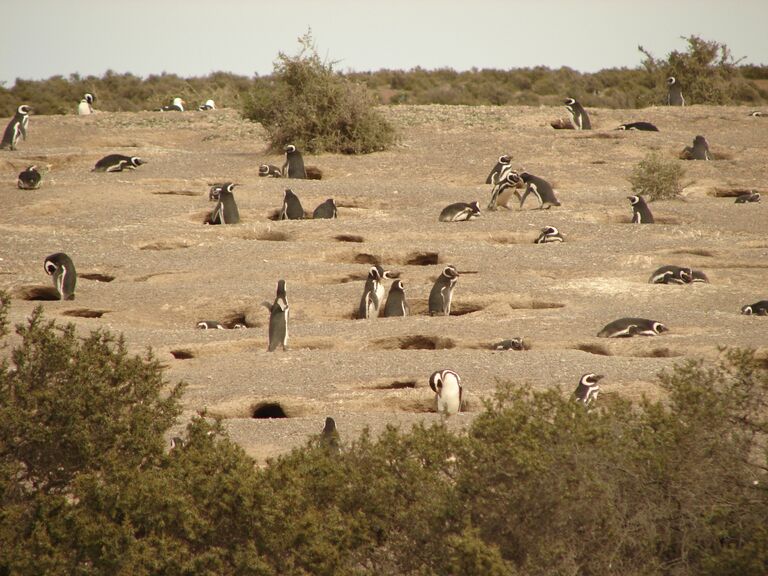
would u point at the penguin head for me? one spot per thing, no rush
(281, 289)
(505, 159)
(747, 310)
(450, 272)
(290, 148)
(590, 379)
(89, 98)
(32, 168)
(330, 425)
(700, 140)
(475, 207)
(658, 327)
(550, 231)
(264, 170)
(622, 127)
(436, 381)
(178, 102)
(210, 104)
(397, 286)
(686, 275)
(512, 178)
(230, 187)
(671, 80)
(633, 200)
(214, 192)
(136, 161)
(24, 110)
(569, 102)
(50, 266)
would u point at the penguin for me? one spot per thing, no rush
(641, 214)
(62, 269)
(699, 150)
(503, 189)
(270, 170)
(209, 105)
(674, 93)
(510, 344)
(460, 212)
(540, 188)
(502, 164)
(86, 105)
(699, 276)
(16, 127)
(441, 295)
(177, 442)
(215, 191)
(748, 197)
(757, 309)
(587, 390)
(278, 319)
(325, 210)
(29, 179)
(642, 126)
(446, 385)
(291, 209)
(626, 327)
(294, 163)
(177, 106)
(396, 304)
(758, 114)
(671, 275)
(118, 163)
(226, 211)
(549, 234)
(373, 292)
(579, 115)
(329, 437)
(210, 325)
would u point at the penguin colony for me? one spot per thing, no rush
(446, 384)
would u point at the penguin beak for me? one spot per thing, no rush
(598, 377)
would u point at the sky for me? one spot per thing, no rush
(195, 38)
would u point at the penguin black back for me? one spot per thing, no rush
(641, 214)
(294, 163)
(61, 268)
(117, 163)
(441, 295)
(642, 126)
(292, 209)
(278, 319)
(16, 128)
(29, 179)
(396, 304)
(541, 189)
(496, 172)
(270, 171)
(578, 114)
(226, 211)
(325, 210)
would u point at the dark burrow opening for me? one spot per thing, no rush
(349, 238)
(420, 342)
(182, 354)
(268, 410)
(85, 313)
(422, 259)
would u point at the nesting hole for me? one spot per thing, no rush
(420, 342)
(84, 313)
(97, 276)
(732, 192)
(44, 293)
(363, 258)
(695, 252)
(268, 410)
(273, 236)
(177, 193)
(182, 354)
(165, 245)
(464, 308)
(422, 259)
(397, 385)
(349, 238)
(236, 319)
(594, 349)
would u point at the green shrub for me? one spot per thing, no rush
(307, 104)
(657, 178)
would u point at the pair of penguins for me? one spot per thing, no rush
(440, 296)
(178, 106)
(505, 181)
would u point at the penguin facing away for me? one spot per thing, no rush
(270, 170)
(699, 150)
(674, 92)
(441, 295)
(29, 179)
(329, 437)
(396, 304)
(294, 163)
(460, 212)
(17, 127)
(757, 309)
(578, 114)
(748, 197)
(641, 214)
(548, 235)
(641, 126)
(118, 163)
(446, 384)
(627, 327)
(62, 270)
(325, 210)
(278, 319)
(496, 175)
(373, 292)
(225, 211)
(541, 189)
(292, 209)
(587, 390)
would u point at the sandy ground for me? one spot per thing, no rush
(144, 230)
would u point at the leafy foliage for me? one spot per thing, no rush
(538, 485)
(307, 104)
(657, 178)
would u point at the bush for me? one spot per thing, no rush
(657, 178)
(307, 104)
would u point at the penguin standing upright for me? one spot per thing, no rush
(373, 292)
(674, 92)
(540, 188)
(278, 319)
(294, 163)
(86, 105)
(446, 384)
(587, 390)
(699, 150)
(396, 304)
(578, 114)
(441, 295)
(497, 172)
(226, 211)
(16, 127)
(326, 210)
(329, 437)
(29, 179)
(118, 163)
(292, 209)
(641, 214)
(61, 268)
(503, 188)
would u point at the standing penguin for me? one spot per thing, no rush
(62, 269)
(699, 150)
(294, 163)
(325, 210)
(16, 127)
(86, 105)
(446, 384)
(578, 114)
(441, 295)
(226, 211)
(278, 319)
(497, 172)
(674, 92)
(587, 390)
(329, 437)
(373, 292)
(540, 188)
(549, 234)
(396, 304)
(29, 179)
(641, 214)
(292, 209)
(460, 212)
(118, 163)
(502, 189)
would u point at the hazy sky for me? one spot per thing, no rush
(42, 38)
